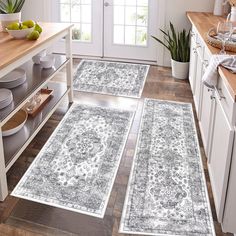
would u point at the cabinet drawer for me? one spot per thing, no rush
(226, 100)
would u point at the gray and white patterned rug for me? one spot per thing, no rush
(77, 167)
(112, 78)
(167, 193)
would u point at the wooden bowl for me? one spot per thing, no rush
(214, 42)
(15, 124)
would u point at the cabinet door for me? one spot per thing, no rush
(205, 121)
(228, 224)
(198, 83)
(207, 103)
(193, 63)
(220, 156)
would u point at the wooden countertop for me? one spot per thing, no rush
(12, 49)
(203, 22)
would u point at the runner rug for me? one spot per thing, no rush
(167, 193)
(77, 167)
(112, 78)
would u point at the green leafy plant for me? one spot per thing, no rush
(11, 6)
(178, 43)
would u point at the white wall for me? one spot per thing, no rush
(175, 12)
(36, 10)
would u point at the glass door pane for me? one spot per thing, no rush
(87, 18)
(78, 12)
(128, 26)
(130, 22)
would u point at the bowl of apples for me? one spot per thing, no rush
(21, 30)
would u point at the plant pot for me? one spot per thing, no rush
(7, 19)
(180, 70)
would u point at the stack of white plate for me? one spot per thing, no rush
(5, 98)
(13, 79)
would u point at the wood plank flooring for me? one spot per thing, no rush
(24, 218)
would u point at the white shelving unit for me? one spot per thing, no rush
(18, 53)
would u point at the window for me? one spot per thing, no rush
(130, 22)
(78, 12)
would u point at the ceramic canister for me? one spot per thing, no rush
(218, 8)
(232, 15)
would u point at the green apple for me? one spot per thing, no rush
(14, 26)
(38, 28)
(33, 35)
(29, 23)
(24, 27)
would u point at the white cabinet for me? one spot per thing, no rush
(193, 61)
(205, 121)
(228, 224)
(206, 113)
(197, 93)
(216, 112)
(220, 155)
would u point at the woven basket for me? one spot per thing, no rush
(229, 45)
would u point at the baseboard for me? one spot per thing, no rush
(117, 59)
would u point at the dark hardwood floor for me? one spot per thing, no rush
(24, 218)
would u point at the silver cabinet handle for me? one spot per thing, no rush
(206, 63)
(106, 4)
(221, 95)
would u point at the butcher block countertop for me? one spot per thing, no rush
(12, 49)
(203, 22)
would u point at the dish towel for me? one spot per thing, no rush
(211, 74)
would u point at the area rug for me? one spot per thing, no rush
(167, 193)
(77, 167)
(112, 78)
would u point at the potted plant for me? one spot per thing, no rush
(10, 11)
(178, 44)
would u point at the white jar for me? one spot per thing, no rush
(232, 16)
(7, 19)
(218, 8)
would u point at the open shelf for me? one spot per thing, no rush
(36, 78)
(14, 145)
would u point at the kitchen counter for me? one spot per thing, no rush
(11, 49)
(203, 22)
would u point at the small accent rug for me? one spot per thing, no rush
(112, 78)
(77, 167)
(167, 192)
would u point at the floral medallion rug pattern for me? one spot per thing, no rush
(167, 193)
(112, 78)
(77, 167)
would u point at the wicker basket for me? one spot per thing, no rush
(229, 45)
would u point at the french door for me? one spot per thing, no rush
(128, 27)
(112, 28)
(87, 17)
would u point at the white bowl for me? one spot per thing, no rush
(36, 58)
(47, 61)
(20, 34)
